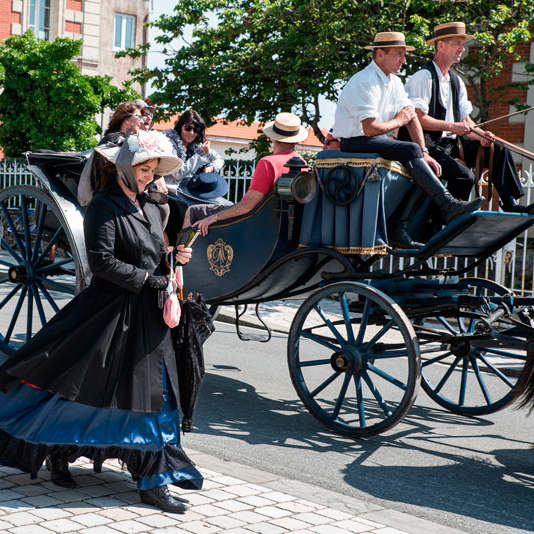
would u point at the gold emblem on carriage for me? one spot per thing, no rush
(220, 256)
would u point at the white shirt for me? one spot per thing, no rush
(368, 94)
(419, 87)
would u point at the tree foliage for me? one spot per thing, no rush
(249, 59)
(46, 102)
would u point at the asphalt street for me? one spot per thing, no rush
(473, 474)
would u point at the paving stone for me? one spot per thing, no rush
(31, 529)
(217, 495)
(63, 525)
(210, 510)
(225, 522)
(256, 501)
(169, 530)
(23, 479)
(249, 517)
(142, 509)
(4, 484)
(238, 530)
(42, 500)
(198, 498)
(388, 530)
(92, 519)
(241, 491)
(266, 528)
(131, 527)
(200, 527)
(227, 481)
(210, 484)
(129, 497)
(234, 506)
(159, 520)
(78, 508)
(98, 530)
(272, 511)
(6, 525)
(105, 502)
(113, 476)
(120, 486)
(335, 514)
(31, 490)
(353, 525)
(50, 513)
(313, 518)
(8, 471)
(328, 529)
(290, 523)
(21, 518)
(88, 480)
(118, 514)
(97, 491)
(10, 495)
(70, 495)
(7, 507)
(296, 507)
(276, 496)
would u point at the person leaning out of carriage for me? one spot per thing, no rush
(440, 99)
(100, 379)
(285, 132)
(370, 107)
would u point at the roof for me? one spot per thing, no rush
(237, 130)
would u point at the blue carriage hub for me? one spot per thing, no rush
(367, 334)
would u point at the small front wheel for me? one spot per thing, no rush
(354, 359)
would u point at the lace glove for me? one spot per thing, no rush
(157, 282)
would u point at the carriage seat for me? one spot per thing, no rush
(357, 193)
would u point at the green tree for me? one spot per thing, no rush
(249, 59)
(46, 102)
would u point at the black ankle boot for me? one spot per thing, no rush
(58, 466)
(449, 206)
(512, 206)
(161, 498)
(399, 237)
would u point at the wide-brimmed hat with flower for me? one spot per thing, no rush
(141, 147)
(389, 40)
(449, 29)
(286, 128)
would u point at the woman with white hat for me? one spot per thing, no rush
(100, 379)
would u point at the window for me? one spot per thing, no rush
(124, 31)
(39, 22)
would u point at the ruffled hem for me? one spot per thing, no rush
(171, 462)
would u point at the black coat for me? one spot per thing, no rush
(106, 348)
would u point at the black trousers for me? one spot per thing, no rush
(459, 177)
(401, 151)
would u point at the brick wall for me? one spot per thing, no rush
(73, 27)
(75, 5)
(6, 18)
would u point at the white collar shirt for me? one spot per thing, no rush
(419, 87)
(368, 94)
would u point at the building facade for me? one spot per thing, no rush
(103, 27)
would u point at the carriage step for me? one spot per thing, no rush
(251, 337)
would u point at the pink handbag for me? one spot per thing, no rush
(172, 311)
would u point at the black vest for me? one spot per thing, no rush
(436, 109)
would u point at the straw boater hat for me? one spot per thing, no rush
(286, 128)
(389, 40)
(449, 29)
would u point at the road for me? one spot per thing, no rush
(473, 474)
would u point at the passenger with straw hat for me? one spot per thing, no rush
(371, 106)
(440, 98)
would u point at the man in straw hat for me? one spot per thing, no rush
(371, 106)
(440, 99)
(285, 132)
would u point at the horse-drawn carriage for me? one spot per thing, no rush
(364, 338)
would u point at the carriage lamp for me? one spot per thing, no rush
(296, 184)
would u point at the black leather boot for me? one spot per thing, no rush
(162, 499)
(399, 237)
(449, 206)
(511, 205)
(58, 466)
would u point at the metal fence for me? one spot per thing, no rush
(512, 266)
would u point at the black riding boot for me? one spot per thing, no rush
(58, 465)
(161, 498)
(398, 235)
(511, 205)
(449, 206)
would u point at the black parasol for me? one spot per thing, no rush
(195, 327)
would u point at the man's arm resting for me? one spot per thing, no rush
(430, 124)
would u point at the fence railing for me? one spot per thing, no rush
(512, 266)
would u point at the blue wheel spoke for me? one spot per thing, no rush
(346, 317)
(387, 376)
(311, 363)
(47, 296)
(365, 320)
(10, 295)
(328, 323)
(13, 229)
(317, 339)
(436, 359)
(327, 382)
(16, 313)
(54, 265)
(39, 305)
(29, 315)
(6, 246)
(342, 394)
(61, 287)
(26, 225)
(5, 263)
(463, 382)
(446, 324)
(500, 352)
(447, 375)
(39, 232)
(496, 371)
(389, 354)
(49, 246)
(376, 394)
(378, 335)
(359, 398)
(481, 382)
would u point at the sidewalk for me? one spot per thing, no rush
(235, 499)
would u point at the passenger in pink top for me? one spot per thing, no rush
(285, 132)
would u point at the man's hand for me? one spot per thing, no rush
(487, 138)
(204, 224)
(461, 128)
(433, 163)
(183, 254)
(205, 146)
(406, 115)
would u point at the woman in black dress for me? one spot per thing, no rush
(100, 379)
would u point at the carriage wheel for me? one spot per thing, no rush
(464, 379)
(354, 359)
(39, 272)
